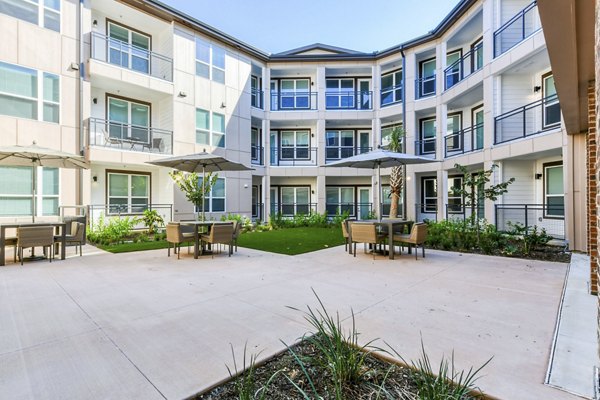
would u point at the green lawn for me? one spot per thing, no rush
(139, 246)
(292, 241)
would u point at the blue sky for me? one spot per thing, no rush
(278, 25)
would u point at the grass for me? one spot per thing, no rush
(139, 246)
(292, 241)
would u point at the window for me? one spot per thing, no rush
(16, 193)
(339, 200)
(295, 145)
(128, 193)
(255, 92)
(554, 194)
(386, 200)
(427, 78)
(427, 136)
(340, 93)
(44, 13)
(295, 200)
(128, 48)
(386, 133)
(294, 94)
(210, 61)
(204, 134)
(550, 101)
(391, 87)
(477, 55)
(454, 141)
(128, 120)
(255, 147)
(339, 144)
(215, 199)
(24, 91)
(429, 195)
(454, 68)
(477, 123)
(455, 201)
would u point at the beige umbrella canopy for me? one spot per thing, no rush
(37, 156)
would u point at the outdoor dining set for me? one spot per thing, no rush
(204, 235)
(390, 232)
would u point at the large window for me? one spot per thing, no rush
(295, 145)
(386, 134)
(205, 134)
(340, 93)
(453, 127)
(427, 78)
(210, 61)
(24, 92)
(294, 94)
(45, 13)
(295, 200)
(339, 200)
(128, 48)
(550, 101)
(554, 193)
(391, 88)
(427, 133)
(16, 191)
(128, 193)
(454, 69)
(128, 120)
(215, 200)
(455, 200)
(429, 195)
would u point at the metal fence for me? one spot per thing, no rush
(354, 210)
(550, 218)
(291, 209)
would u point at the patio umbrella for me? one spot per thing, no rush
(36, 156)
(380, 158)
(205, 162)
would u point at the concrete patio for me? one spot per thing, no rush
(144, 326)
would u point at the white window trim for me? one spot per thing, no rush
(210, 64)
(392, 89)
(41, 12)
(39, 195)
(546, 195)
(211, 131)
(208, 200)
(129, 196)
(425, 206)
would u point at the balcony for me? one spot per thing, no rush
(354, 210)
(116, 52)
(349, 100)
(333, 153)
(391, 95)
(549, 217)
(537, 117)
(425, 147)
(257, 155)
(517, 29)
(468, 64)
(257, 98)
(291, 101)
(291, 209)
(464, 141)
(116, 135)
(425, 87)
(292, 156)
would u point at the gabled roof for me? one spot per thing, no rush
(318, 48)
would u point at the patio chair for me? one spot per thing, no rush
(219, 234)
(176, 236)
(237, 230)
(12, 241)
(345, 233)
(417, 237)
(76, 236)
(366, 233)
(35, 236)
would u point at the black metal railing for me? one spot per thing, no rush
(257, 98)
(468, 64)
(116, 52)
(333, 153)
(385, 210)
(349, 100)
(286, 101)
(110, 211)
(459, 211)
(426, 211)
(258, 211)
(425, 87)
(530, 119)
(517, 29)
(354, 210)
(291, 209)
(464, 141)
(425, 147)
(391, 95)
(293, 156)
(544, 216)
(257, 155)
(117, 135)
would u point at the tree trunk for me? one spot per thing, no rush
(394, 206)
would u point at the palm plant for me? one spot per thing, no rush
(397, 173)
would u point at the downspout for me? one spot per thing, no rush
(80, 84)
(404, 207)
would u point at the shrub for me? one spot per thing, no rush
(111, 230)
(152, 221)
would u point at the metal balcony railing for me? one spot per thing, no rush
(425, 87)
(533, 118)
(458, 211)
(257, 98)
(354, 210)
(464, 141)
(349, 100)
(108, 211)
(288, 101)
(385, 210)
(425, 147)
(257, 154)
(426, 211)
(517, 29)
(116, 52)
(468, 64)
(391, 95)
(291, 209)
(549, 217)
(293, 156)
(333, 153)
(117, 135)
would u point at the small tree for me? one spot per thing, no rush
(194, 189)
(475, 186)
(397, 173)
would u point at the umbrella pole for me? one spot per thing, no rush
(379, 194)
(203, 193)
(33, 182)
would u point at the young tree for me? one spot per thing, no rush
(193, 187)
(397, 173)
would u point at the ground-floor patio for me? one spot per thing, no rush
(144, 326)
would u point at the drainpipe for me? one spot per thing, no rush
(80, 87)
(404, 127)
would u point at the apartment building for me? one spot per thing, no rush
(138, 80)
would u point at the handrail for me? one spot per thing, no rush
(448, 72)
(520, 15)
(420, 146)
(300, 100)
(293, 156)
(353, 99)
(460, 146)
(549, 217)
(340, 152)
(132, 137)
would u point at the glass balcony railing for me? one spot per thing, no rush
(117, 135)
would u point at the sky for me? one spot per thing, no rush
(274, 26)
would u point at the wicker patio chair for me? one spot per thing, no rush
(417, 237)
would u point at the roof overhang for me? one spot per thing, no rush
(569, 32)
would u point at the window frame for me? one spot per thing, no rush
(295, 94)
(210, 197)
(130, 205)
(130, 102)
(424, 205)
(340, 94)
(391, 127)
(397, 87)
(211, 132)
(37, 177)
(130, 47)
(456, 138)
(295, 145)
(40, 17)
(545, 105)
(422, 137)
(295, 204)
(211, 60)
(475, 53)
(453, 72)
(341, 206)
(423, 80)
(452, 196)
(545, 167)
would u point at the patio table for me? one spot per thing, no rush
(197, 225)
(60, 225)
(390, 224)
